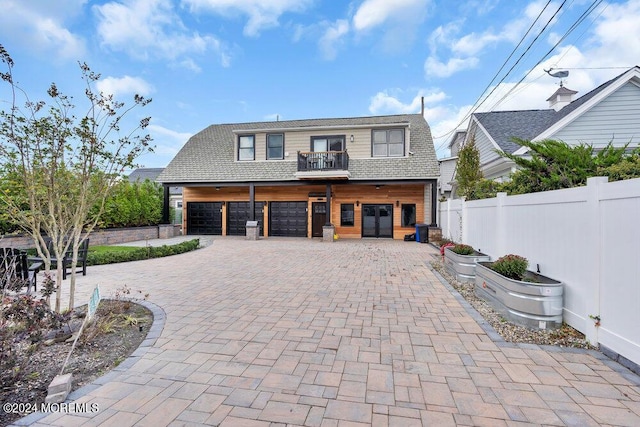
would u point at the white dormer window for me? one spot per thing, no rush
(275, 146)
(387, 143)
(246, 147)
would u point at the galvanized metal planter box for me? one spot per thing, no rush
(463, 267)
(536, 305)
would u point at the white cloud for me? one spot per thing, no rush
(466, 50)
(446, 119)
(398, 20)
(481, 7)
(434, 67)
(373, 13)
(442, 118)
(167, 142)
(616, 38)
(512, 31)
(333, 38)
(147, 29)
(388, 102)
(40, 27)
(118, 86)
(263, 14)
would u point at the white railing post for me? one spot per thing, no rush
(448, 232)
(501, 244)
(593, 258)
(464, 232)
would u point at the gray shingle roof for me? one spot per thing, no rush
(142, 174)
(209, 156)
(527, 124)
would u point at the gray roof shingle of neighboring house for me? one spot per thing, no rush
(527, 124)
(209, 157)
(142, 174)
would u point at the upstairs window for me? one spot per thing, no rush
(275, 146)
(247, 147)
(387, 143)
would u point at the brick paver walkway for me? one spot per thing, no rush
(299, 332)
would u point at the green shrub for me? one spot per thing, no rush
(106, 257)
(485, 189)
(461, 249)
(511, 266)
(133, 205)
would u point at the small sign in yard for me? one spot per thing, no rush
(93, 302)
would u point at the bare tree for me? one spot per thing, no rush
(58, 168)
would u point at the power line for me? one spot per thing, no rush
(522, 87)
(483, 98)
(575, 25)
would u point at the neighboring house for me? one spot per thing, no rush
(609, 113)
(366, 176)
(448, 165)
(175, 193)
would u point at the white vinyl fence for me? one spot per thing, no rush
(587, 237)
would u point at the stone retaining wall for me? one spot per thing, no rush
(109, 236)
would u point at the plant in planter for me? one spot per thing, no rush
(461, 249)
(511, 266)
(526, 298)
(460, 261)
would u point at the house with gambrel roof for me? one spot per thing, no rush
(608, 113)
(362, 177)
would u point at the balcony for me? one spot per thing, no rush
(323, 165)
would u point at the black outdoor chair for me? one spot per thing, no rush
(14, 266)
(67, 259)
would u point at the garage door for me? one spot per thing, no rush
(204, 218)
(288, 219)
(238, 215)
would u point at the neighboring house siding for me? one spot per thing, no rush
(447, 168)
(614, 119)
(485, 147)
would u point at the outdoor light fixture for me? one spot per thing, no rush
(377, 187)
(223, 203)
(357, 202)
(217, 188)
(351, 138)
(397, 203)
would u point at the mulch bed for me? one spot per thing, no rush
(116, 331)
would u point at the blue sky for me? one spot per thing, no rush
(225, 61)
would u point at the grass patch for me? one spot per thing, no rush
(115, 254)
(104, 248)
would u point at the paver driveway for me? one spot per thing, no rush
(299, 332)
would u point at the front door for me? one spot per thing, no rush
(318, 218)
(377, 221)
